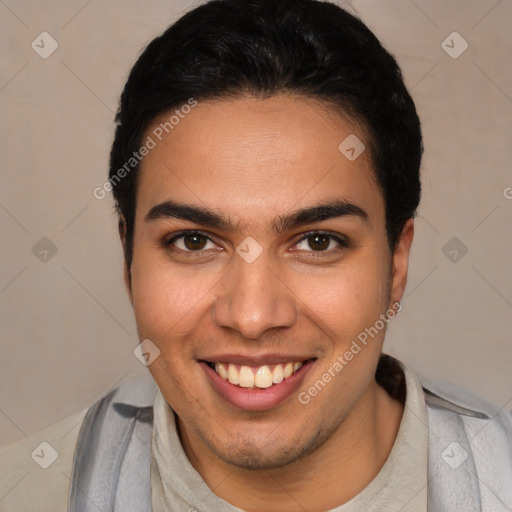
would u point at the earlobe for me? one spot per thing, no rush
(401, 261)
(127, 274)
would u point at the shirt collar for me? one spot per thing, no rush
(139, 392)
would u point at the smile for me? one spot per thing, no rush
(261, 377)
(254, 383)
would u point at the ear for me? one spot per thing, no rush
(127, 275)
(401, 262)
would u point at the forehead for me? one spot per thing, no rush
(250, 156)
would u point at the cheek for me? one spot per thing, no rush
(167, 301)
(346, 301)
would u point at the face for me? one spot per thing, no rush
(258, 244)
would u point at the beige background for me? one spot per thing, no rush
(67, 333)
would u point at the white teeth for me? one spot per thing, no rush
(233, 374)
(219, 368)
(278, 374)
(246, 377)
(263, 378)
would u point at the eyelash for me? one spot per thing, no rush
(343, 243)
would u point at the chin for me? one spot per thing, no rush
(254, 458)
(270, 452)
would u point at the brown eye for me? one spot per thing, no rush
(194, 242)
(319, 242)
(190, 242)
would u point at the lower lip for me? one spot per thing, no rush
(256, 399)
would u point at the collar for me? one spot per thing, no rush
(139, 392)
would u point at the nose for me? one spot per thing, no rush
(253, 299)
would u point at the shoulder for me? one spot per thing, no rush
(485, 426)
(449, 399)
(35, 472)
(473, 434)
(452, 411)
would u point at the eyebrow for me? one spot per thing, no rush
(213, 219)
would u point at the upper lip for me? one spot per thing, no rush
(254, 360)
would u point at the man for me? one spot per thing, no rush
(266, 173)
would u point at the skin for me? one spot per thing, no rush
(253, 160)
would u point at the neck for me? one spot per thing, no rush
(329, 477)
